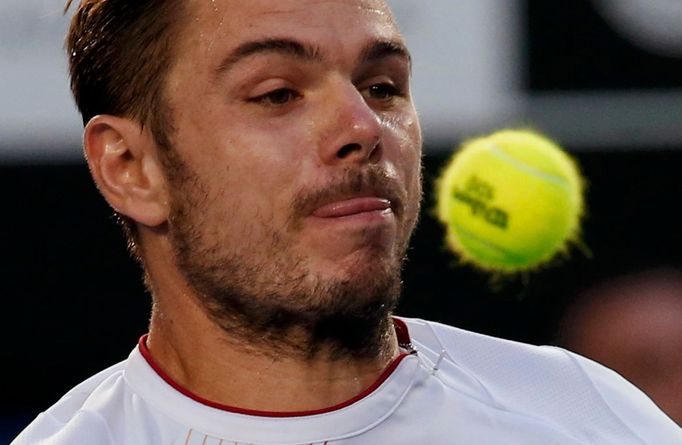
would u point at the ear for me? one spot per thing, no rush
(123, 160)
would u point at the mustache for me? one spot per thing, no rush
(372, 180)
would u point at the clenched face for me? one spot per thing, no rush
(296, 169)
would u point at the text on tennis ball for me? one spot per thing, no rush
(478, 195)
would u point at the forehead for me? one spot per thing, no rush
(214, 25)
(283, 10)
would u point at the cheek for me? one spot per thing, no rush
(261, 177)
(253, 153)
(406, 134)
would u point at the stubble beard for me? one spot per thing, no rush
(266, 297)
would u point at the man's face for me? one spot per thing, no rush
(296, 178)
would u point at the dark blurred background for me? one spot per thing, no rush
(74, 302)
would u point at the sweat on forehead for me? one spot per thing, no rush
(282, 6)
(216, 28)
(212, 14)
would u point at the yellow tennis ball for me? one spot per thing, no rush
(510, 201)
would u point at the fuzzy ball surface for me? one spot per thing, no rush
(510, 201)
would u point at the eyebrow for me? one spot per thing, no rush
(285, 47)
(383, 49)
(372, 52)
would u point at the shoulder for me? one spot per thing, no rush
(549, 384)
(77, 418)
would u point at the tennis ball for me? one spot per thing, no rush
(510, 201)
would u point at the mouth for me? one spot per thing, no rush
(357, 200)
(355, 207)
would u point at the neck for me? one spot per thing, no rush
(202, 359)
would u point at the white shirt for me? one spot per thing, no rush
(484, 391)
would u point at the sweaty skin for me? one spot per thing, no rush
(294, 182)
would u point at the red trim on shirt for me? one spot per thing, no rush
(403, 339)
(403, 334)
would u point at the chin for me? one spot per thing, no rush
(366, 259)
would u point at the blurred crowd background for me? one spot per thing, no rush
(602, 77)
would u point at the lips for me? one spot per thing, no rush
(353, 206)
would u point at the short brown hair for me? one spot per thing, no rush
(120, 52)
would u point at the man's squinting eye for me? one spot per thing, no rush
(383, 91)
(281, 96)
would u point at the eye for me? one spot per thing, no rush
(383, 91)
(278, 97)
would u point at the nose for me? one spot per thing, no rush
(354, 130)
